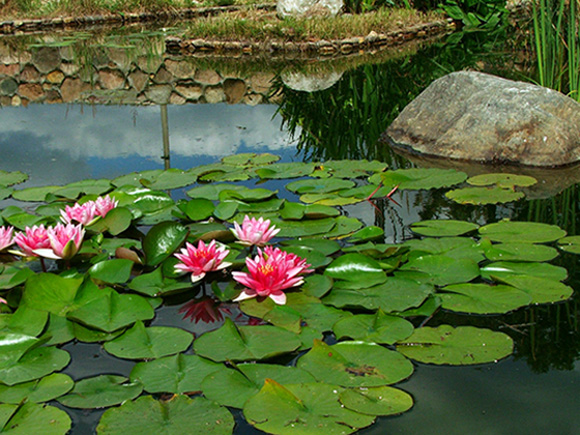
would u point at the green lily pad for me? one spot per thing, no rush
(443, 227)
(34, 364)
(355, 364)
(245, 343)
(37, 391)
(179, 414)
(315, 258)
(483, 298)
(260, 207)
(334, 199)
(521, 232)
(367, 233)
(541, 270)
(317, 285)
(162, 240)
(397, 294)
(302, 408)
(327, 247)
(319, 185)
(297, 211)
(13, 276)
(54, 294)
(351, 168)
(484, 195)
(463, 345)
(60, 330)
(112, 311)
(374, 328)
(87, 187)
(250, 159)
(198, 209)
(177, 374)
(513, 251)
(140, 342)
(376, 400)
(115, 271)
(453, 247)
(12, 178)
(234, 387)
(115, 222)
(24, 320)
(34, 194)
(357, 269)
(101, 392)
(153, 284)
(285, 170)
(444, 270)
(502, 180)
(417, 179)
(311, 227)
(541, 290)
(5, 192)
(32, 418)
(344, 226)
(89, 335)
(570, 244)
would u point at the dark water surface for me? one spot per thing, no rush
(93, 136)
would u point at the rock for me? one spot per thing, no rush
(234, 90)
(158, 94)
(56, 77)
(207, 77)
(71, 89)
(111, 79)
(292, 8)
(8, 86)
(310, 82)
(29, 74)
(46, 59)
(180, 69)
(30, 91)
(261, 82)
(476, 116)
(190, 91)
(214, 95)
(10, 69)
(138, 80)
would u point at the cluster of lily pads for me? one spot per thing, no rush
(321, 354)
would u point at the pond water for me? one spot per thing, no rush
(103, 109)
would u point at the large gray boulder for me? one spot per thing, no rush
(476, 116)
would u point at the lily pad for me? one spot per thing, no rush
(177, 374)
(140, 342)
(463, 345)
(541, 270)
(234, 387)
(355, 364)
(357, 269)
(115, 271)
(376, 400)
(502, 180)
(115, 222)
(37, 391)
(12, 178)
(34, 364)
(483, 298)
(367, 233)
(302, 408)
(453, 247)
(87, 187)
(484, 195)
(32, 418)
(541, 290)
(319, 185)
(522, 232)
(443, 227)
(179, 414)
(198, 209)
(53, 293)
(416, 179)
(513, 251)
(34, 194)
(304, 228)
(162, 241)
(101, 392)
(250, 159)
(327, 247)
(245, 343)
(444, 270)
(570, 244)
(285, 170)
(374, 328)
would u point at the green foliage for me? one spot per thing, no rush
(486, 14)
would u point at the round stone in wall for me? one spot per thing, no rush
(474, 116)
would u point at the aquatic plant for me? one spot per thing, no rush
(324, 274)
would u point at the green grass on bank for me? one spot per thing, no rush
(256, 25)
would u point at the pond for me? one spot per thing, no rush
(96, 106)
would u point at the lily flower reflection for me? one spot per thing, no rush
(205, 310)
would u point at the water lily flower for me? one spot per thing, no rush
(201, 260)
(84, 214)
(3, 301)
(32, 239)
(271, 272)
(6, 238)
(105, 205)
(65, 241)
(254, 231)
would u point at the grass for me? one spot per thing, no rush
(258, 25)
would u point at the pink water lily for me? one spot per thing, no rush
(271, 272)
(32, 239)
(6, 237)
(201, 260)
(65, 242)
(105, 204)
(88, 212)
(254, 231)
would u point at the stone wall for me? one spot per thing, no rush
(49, 75)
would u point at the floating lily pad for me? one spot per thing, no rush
(198, 209)
(285, 170)
(367, 233)
(37, 391)
(175, 374)
(87, 187)
(25, 320)
(357, 269)
(101, 392)
(89, 335)
(327, 247)
(60, 330)
(522, 232)
(304, 228)
(570, 244)
(34, 194)
(32, 418)
(250, 159)
(245, 343)
(34, 364)
(350, 168)
(513, 251)
(484, 195)
(444, 270)
(453, 247)
(541, 290)
(502, 180)
(234, 387)
(373, 328)
(115, 271)
(355, 364)
(334, 199)
(376, 400)
(12, 178)
(154, 284)
(115, 222)
(483, 298)
(296, 211)
(5, 192)
(541, 270)
(302, 408)
(315, 258)
(443, 227)
(140, 342)
(416, 179)
(162, 241)
(53, 293)
(319, 185)
(317, 285)
(168, 179)
(397, 294)
(180, 414)
(463, 345)
(344, 226)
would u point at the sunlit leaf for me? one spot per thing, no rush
(484, 195)
(101, 392)
(37, 391)
(376, 400)
(358, 269)
(483, 298)
(32, 418)
(443, 227)
(540, 270)
(521, 232)
(163, 240)
(502, 180)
